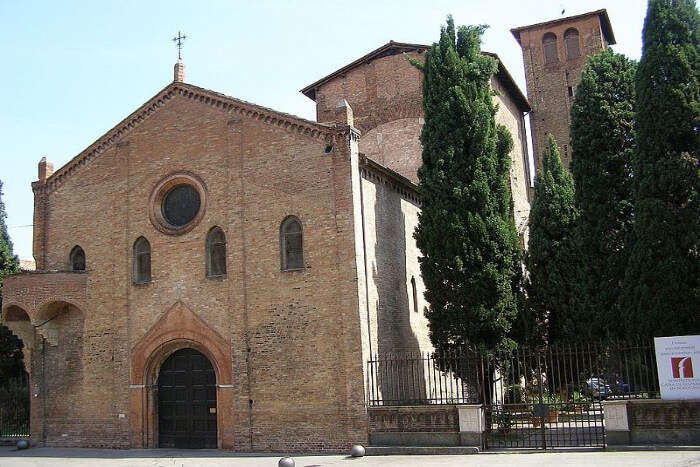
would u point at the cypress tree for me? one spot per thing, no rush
(603, 142)
(550, 257)
(662, 295)
(466, 231)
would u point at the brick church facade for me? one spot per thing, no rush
(212, 273)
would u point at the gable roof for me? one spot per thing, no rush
(196, 94)
(605, 25)
(395, 48)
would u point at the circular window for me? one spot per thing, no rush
(178, 203)
(181, 205)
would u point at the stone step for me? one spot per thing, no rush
(420, 450)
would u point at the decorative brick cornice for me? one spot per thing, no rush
(376, 172)
(106, 141)
(227, 104)
(256, 112)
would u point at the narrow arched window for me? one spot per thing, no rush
(291, 244)
(77, 259)
(142, 261)
(415, 294)
(549, 46)
(571, 43)
(216, 252)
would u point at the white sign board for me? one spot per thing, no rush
(678, 362)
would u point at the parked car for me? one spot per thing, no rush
(617, 385)
(597, 388)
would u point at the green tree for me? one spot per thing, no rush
(550, 258)
(466, 231)
(603, 143)
(9, 264)
(10, 346)
(662, 294)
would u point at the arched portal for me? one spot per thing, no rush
(187, 401)
(178, 328)
(17, 335)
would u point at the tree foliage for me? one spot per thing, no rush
(466, 233)
(10, 345)
(603, 143)
(9, 264)
(662, 294)
(551, 259)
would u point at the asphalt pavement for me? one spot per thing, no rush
(40, 457)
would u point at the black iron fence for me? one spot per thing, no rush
(423, 378)
(14, 407)
(571, 374)
(533, 397)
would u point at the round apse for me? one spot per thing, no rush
(181, 205)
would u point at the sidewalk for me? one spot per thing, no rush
(40, 457)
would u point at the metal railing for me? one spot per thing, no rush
(561, 374)
(14, 407)
(422, 378)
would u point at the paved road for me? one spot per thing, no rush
(40, 457)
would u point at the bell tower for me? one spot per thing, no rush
(554, 54)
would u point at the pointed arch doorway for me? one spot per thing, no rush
(187, 401)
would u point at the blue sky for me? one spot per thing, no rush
(73, 69)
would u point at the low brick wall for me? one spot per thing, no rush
(421, 425)
(649, 422)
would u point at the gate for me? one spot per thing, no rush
(536, 398)
(14, 407)
(545, 399)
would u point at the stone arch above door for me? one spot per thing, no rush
(178, 328)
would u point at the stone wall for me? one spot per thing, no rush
(414, 426)
(427, 425)
(652, 421)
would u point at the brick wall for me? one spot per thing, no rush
(289, 347)
(293, 336)
(440, 418)
(508, 115)
(547, 85)
(385, 96)
(390, 218)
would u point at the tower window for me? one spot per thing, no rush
(572, 44)
(570, 89)
(549, 46)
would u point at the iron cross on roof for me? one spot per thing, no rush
(178, 40)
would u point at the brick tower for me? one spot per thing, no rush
(554, 54)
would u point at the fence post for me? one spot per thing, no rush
(472, 424)
(617, 429)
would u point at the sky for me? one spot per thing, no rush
(71, 70)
